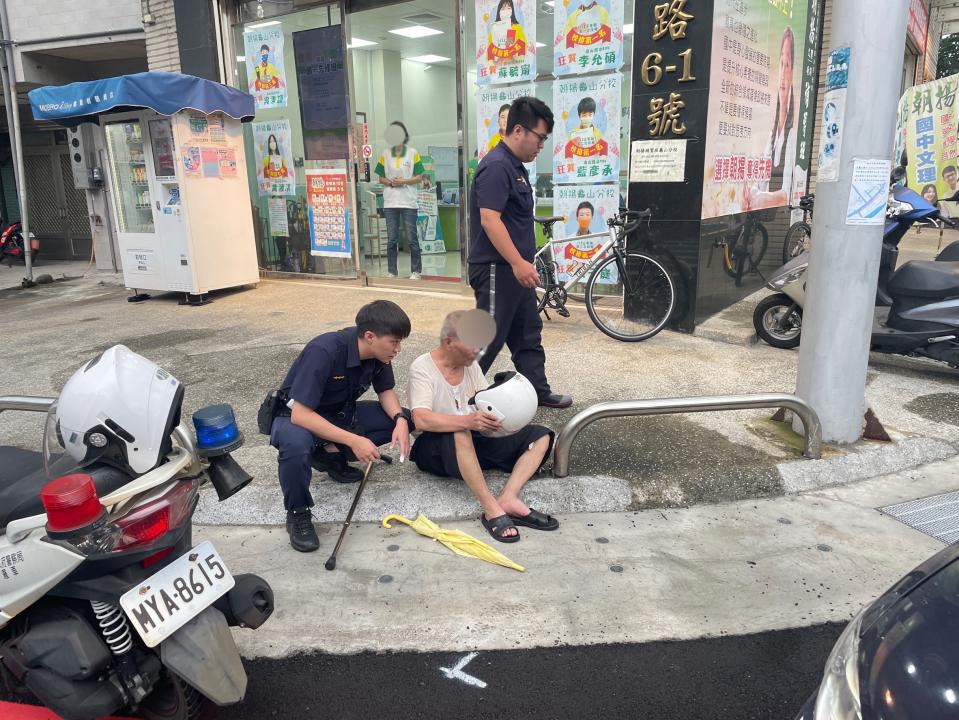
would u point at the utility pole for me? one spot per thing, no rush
(844, 258)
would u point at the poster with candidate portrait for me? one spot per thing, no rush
(492, 108)
(505, 41)
(586, 133)
(926, 132)
(587, 36)
(586, 208)
(265, 72)
(761, 105)
(273, 150)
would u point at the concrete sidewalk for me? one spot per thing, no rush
(731, 568)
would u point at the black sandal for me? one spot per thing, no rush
(499, 525)
(535, 520)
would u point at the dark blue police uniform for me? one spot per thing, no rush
(328, 377)
(502, 184)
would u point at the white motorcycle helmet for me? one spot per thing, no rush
(119, 409)
(511, 399)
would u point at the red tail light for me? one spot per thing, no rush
(71, 503)
(150, 522)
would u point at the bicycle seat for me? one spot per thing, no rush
(549, 220)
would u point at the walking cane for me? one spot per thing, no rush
(331, 563)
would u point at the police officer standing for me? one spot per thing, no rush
(501, 270)
(323, 425)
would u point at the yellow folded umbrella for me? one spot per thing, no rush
(456, 540)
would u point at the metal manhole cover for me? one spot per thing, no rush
(937, 516)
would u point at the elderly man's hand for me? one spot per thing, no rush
(482, 422)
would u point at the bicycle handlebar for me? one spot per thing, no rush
(629, 220)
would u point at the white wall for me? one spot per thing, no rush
(429, 104)
(41, 19)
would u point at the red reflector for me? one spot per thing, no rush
(156, 557)
(71, 502)
(144, 530)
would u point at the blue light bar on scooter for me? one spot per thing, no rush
(216, 430)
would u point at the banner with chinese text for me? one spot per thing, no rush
(587, 36)
(273, 150)
(586, 208)
(326, 202)
(759, 102)
(265, 72)
(505, 41)
(926, 131)
(586, 134)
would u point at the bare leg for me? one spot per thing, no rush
(473, 477)
(523, 470)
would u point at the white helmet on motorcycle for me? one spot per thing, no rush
(511, 399)
(119, 409)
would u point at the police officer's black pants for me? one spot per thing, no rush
(518, 324)
(296, 446)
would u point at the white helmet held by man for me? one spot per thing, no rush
(511, 399)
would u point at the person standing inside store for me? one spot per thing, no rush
(503, 243)
(401, 170)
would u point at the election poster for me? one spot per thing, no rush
(763, 75)
(587, 36)
(586, 133)
(505, 41)
(273, 148)
(586, 208)
(926, 133)
(492, 108)
(329, 218)
(265, 72)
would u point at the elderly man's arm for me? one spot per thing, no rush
(426, 419)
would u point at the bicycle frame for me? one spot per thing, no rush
(586, 267)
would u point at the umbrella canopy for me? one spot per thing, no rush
(163, 92)
(456, 540)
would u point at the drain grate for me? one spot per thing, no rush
(937, 516)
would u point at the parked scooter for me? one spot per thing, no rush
(12, 246)
(924, 296)
(105, 603)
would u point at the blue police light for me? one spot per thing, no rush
(216, 430)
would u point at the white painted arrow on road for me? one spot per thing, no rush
(456, 673)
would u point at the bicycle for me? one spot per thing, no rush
(799, 233)
(629, 295)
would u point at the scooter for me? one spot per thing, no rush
(923, 296)
(12, 247)
(106, 604)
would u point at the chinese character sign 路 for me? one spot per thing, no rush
(587, 36)
(266, 76)
(273, 147)
(505, 41)
(586, 133)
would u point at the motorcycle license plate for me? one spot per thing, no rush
(166, 601)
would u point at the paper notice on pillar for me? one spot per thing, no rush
(328, 215)
(833, 114)
(199, 128)
(586, 133)
(587, 36)
(279, 225)
(265, 71)
(657, 161)
(586, 208)
(192, 161)
(273, 151)
(210, 158)
(227, 158)
(505, 41)
(869, 192)
(216, 128)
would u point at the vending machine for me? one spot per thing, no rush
(176, 177)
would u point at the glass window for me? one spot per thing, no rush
(131, 190)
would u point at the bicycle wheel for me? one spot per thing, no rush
(797, 240)
(630, 301)
(756, 245)
(546, 282)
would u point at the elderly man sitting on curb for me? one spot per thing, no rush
(456, 440)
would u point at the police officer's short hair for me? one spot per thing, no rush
(527, 111)
(382, 317)
(586, 105)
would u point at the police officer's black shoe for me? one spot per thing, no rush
(335, 465)
(555, 400)
(299, 524)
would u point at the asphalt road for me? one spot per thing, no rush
(761, 677)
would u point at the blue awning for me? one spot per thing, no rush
(163, 92)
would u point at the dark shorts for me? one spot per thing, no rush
(435, 453)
